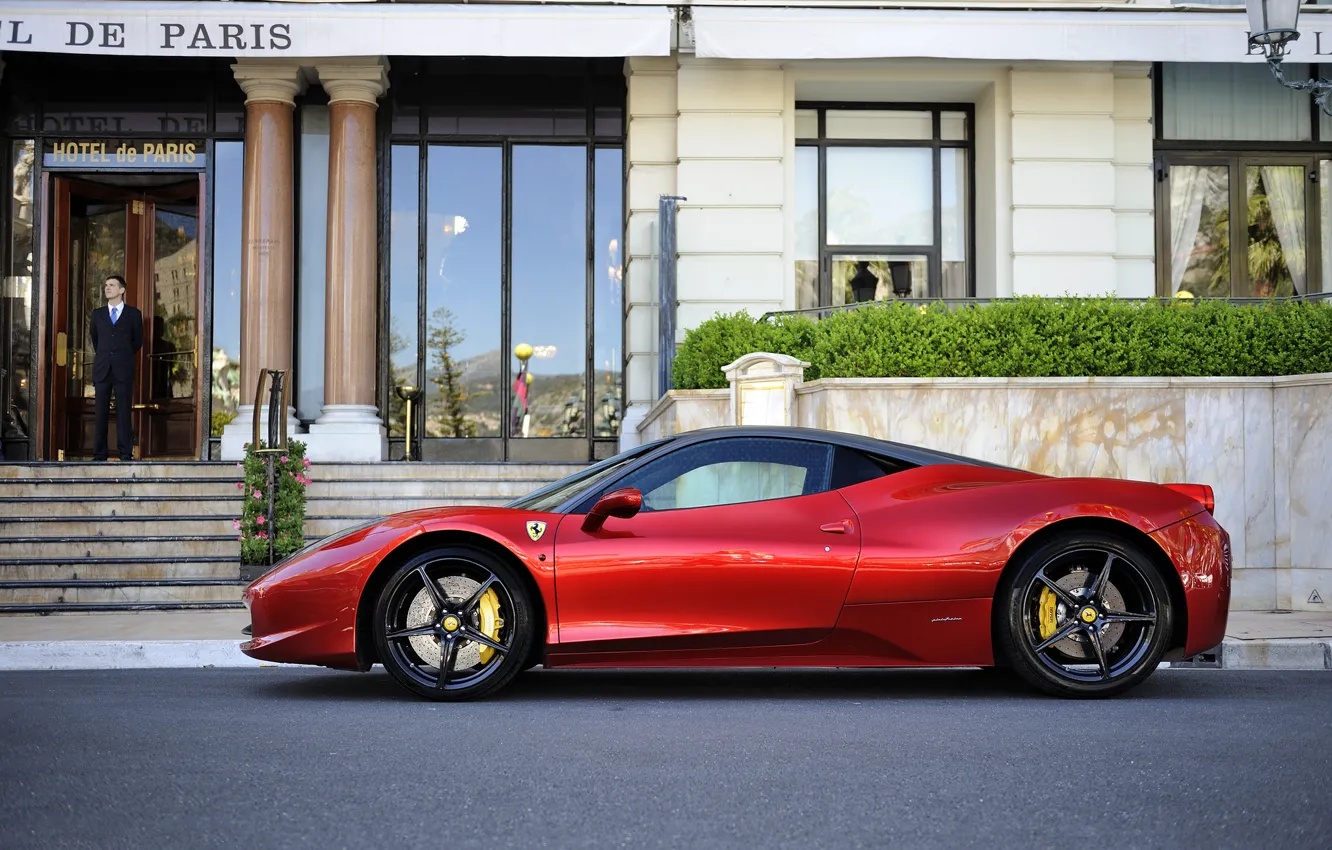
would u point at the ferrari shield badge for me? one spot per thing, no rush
(535, 529)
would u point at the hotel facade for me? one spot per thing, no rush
(487, 201)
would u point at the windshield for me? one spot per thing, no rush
(553, 495)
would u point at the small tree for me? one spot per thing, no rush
(442, 338)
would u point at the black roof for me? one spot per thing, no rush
(914, 455)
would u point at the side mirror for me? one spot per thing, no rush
(617, 503)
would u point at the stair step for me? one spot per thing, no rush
(83, 608)
(48, 528)
(102, 595)
(108, 471)
(77, 488)
(112, 506)
(228, 470)
(99, 548)
(123, 569)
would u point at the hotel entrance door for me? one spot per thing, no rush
(149, 235)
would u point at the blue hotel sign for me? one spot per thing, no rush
(126, 155)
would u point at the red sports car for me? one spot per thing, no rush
(735, 547)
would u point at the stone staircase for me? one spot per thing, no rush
(78, 537)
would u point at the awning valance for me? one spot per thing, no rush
(1007, 35)
(301, 30)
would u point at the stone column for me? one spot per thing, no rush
(267, 236)
(349, 428)
(763, 388)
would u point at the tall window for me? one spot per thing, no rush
(883, 203)
(504, 269)
(1242, 183)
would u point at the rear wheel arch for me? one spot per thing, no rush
(366, 653)
(1160, 560)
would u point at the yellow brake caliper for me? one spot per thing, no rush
(1048, 613)
(491, 622)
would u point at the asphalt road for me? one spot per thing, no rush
(758, 759)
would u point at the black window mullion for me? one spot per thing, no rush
(506, 293)
(589, 301)
(1239, 227)
(422, 306)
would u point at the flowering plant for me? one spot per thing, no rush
(285, 526)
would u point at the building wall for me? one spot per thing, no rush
(1063, 179)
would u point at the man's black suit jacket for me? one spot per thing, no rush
(115, 345)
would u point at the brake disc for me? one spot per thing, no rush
(486, 620)
(1052, 614)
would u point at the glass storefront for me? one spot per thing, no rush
(504, 274)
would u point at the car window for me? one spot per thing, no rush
(728, 472)
(552, 495)
(851, 467)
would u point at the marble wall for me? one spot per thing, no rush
(1263, 444)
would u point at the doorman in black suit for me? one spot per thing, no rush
(117, 335)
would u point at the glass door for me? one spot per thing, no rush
(151, 239)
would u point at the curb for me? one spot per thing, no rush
(1274, 654)
(1277, 654)
(124, 655)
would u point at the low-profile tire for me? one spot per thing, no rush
(1084, 615)
(460, 605)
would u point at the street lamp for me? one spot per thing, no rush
(1273, 24)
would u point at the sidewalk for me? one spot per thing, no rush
(1255, 640)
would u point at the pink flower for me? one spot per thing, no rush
(261, 519)
(240, 466)
(235, 523)
(257, 494)
(284, 459)
(240, 485)
(263, 535)
(240, 537)
(307, 462)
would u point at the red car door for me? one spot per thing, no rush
(688, 572)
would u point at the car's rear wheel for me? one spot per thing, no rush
(1084, 615)
(454, 623)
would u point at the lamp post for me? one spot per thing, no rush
(1273, 24)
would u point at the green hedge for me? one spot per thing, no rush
(1025, 337)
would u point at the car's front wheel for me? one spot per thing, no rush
(1085, 615)
(454, 623)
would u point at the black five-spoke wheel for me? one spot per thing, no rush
(1085, 615)
(454, 623)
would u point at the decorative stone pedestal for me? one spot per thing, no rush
(347, 433)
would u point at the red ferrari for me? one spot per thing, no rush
(789, 547)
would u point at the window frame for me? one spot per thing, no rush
(583, 506)
(936, 145)
(419, 98)
(1236, 161)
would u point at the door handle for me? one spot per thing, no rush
(153, 406)
(840, 527)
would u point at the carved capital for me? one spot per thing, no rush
(361, 82)
(269, 82)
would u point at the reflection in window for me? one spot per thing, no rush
(1199, 229)
(16, 308)
(1325, 208)
(549, 291)
(857, 279)
(807, 227)
(175, 260)
(727, 472)
(1276, 230)
(228, 171)
(464, 249)
(608, 294)
(404, 231)
(309, 369)
(880, 196)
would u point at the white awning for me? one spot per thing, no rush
(1106, 34)
(332, 29)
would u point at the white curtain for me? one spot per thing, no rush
(1188, 190)
(1285, 196)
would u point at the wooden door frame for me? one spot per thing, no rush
(59, 188)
